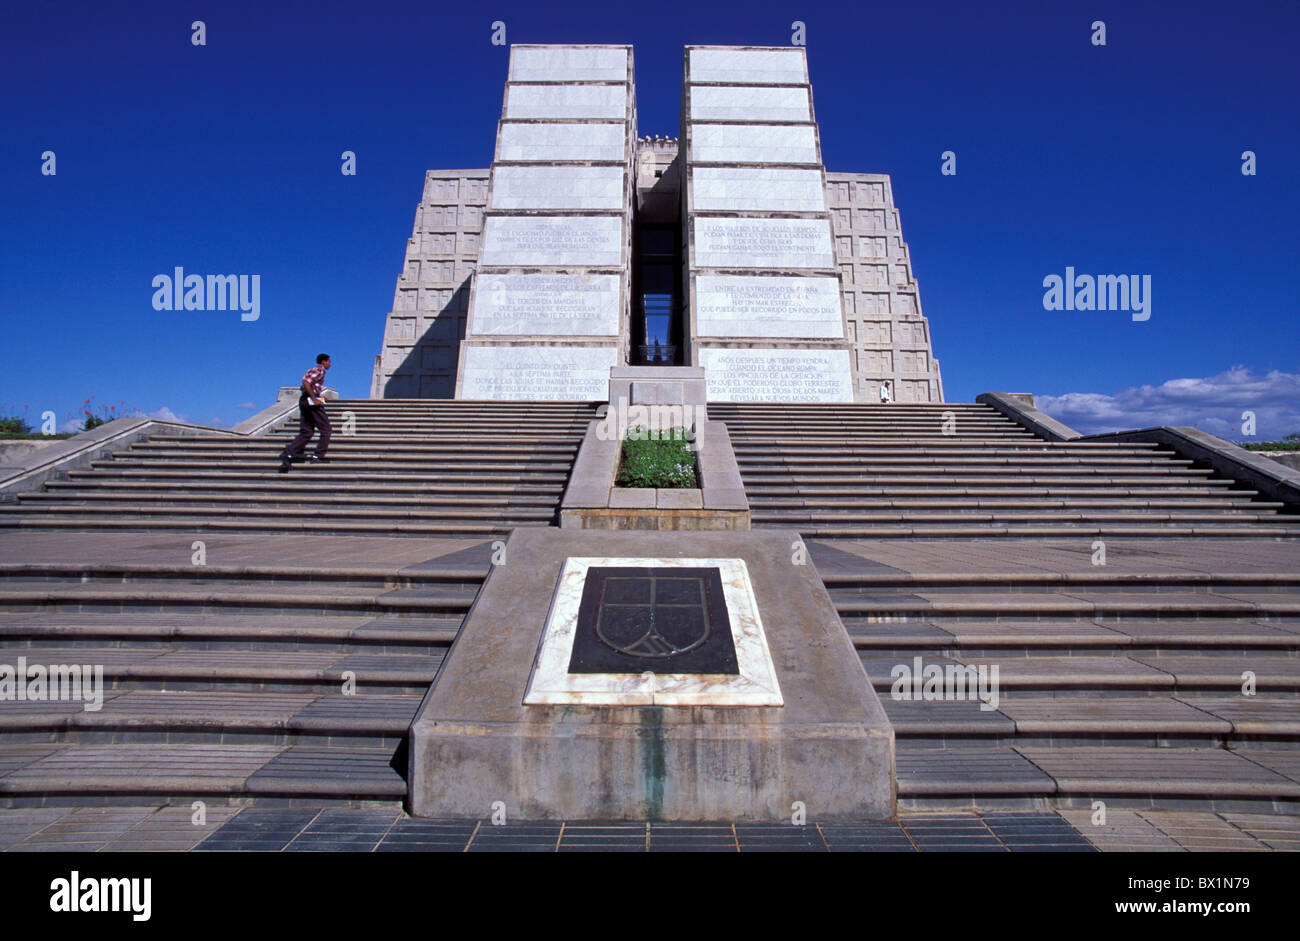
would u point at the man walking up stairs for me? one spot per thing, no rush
(311, 408)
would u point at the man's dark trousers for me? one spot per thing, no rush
(311, 418)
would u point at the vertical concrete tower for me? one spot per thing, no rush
(763, 292)
(548, 310)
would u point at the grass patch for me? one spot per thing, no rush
(661, 459)
(29, 436)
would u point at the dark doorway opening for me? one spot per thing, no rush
(657, 324)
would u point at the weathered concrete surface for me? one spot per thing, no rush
(22, 447)
(473, 741)
(656, 518)
(1019, 407)
(1289, 459)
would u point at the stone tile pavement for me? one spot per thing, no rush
(386, 829)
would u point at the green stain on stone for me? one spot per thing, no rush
(651, 735)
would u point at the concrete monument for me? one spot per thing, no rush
(586, 247)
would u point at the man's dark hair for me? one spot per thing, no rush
(321, 358)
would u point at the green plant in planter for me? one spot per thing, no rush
(662, 459)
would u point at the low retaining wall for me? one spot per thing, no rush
(52, 461)
(1275, 480)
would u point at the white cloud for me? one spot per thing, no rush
(247, 406)
(166, 414)
(1214, 404)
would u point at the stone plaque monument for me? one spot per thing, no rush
(652, 676)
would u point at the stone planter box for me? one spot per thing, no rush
(592, 501)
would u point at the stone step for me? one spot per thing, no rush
(352, 452)
(427, 467)
(249, 718)
(1028, 636)
(94, 483)
(338, 477)
(323, 672)
(1223, 530)
(842, 584)
(936, 425)
(769, 472)
(1076, 603)
(1275, 672)
(884, 436)
(379, 437)
(934, 495)
(320, 526)
(769, 516)
(1030, 461)
(964, 451)
(1018, 718)
(819, 442)
(812, 485)
(296, 577)
(474, 425)
(438, 503)
(1233, 500)
(966, 478)
(969, 772)
(375, 511)
(187, 771)
(264, 633)
(134, 596)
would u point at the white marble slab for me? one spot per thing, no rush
(538, 373)
(736, 103)
(552, 64)
(740, 306)
(760, 189)
(585, 241)
(753, 143)
(769, 66)
(762, 243)
(557, 188)
(566, 101)
(756, 684)
(580, 305)
(545, 142)
(777, 375)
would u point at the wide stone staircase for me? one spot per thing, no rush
(949, 470)
(262, 636)
(1143, 615)
(269, 637)
(415, 467)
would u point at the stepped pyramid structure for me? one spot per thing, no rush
(272, 638)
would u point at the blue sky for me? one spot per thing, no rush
(225, 159)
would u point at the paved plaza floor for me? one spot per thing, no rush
(366, 830)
